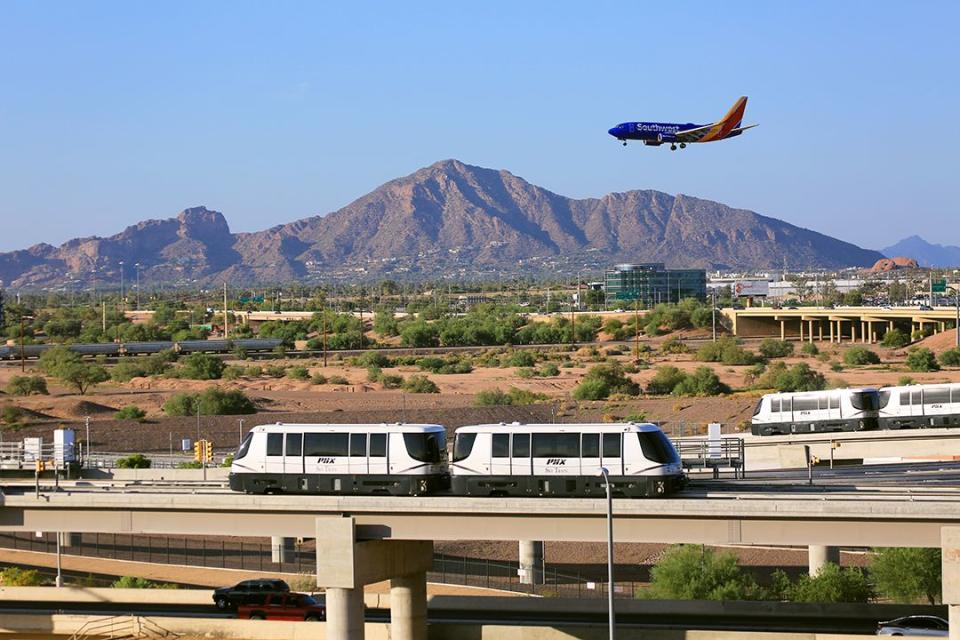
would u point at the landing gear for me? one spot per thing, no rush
(673, 147)
(683, 145)
(624, 143)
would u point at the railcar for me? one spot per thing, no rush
(257, 344)
(147, 347)
(816, 412)
(920, 406)
(564, 460)
(203, 346)
(351, 459)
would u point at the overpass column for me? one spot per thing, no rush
(408, 607)
(950, 548)
(810, 332)
(345, 613)
(820, 330)
(531, 562)
(282, 549)
(819, 555)
(783, 329)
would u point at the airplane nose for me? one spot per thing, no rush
(614, 131)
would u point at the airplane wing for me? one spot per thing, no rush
(741, 129)
(693, 135)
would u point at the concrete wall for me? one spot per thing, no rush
(214, 474)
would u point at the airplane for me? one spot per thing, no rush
(655, 134)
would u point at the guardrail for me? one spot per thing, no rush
(725, 453)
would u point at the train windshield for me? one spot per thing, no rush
(463, 445)
(425, 447)
(865, 400)
(244, 447)
(657, 447)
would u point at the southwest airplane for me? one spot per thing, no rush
(656, 133)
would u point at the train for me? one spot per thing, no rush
(537, 460)
(113, 349)
(902, 407)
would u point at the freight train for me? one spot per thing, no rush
(113, 349)
(557, 460)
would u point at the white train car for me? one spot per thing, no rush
(564, 460)
(816, 412)
(350, 459)
(920, 406)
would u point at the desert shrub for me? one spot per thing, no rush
(420, 384)
(374, 373)
(521, 359)
(202, 366)
(771, 348)
(232, 372)
(726, 350)
(254, 371)
(526, 372)
(836, 367)
(191, 464)
(275, 371)
(136, 582)
(665, 380)
(27, 385)
(390, 381)
(922, 359)
(134, 461)
(702, 382)
(673, 344)
(549, 370)
(337, 380)
(211, 402)
(11, 414)
(131, 412)
(809, 349)
(903, 381)
(799, 377)
(636, 416)
(692, 572)
(894, 338)
(513, 396)
(857, 356)
(372, 358)
(603, 380)
(298, 373)
(830, 585)
(17, 577)
(950, 357)
(318, 378)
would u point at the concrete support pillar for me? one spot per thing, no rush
(408, 607)
(820, 330)
(282, 550)
(783, 330)
(950, 546)
(831, 330)
(853, 331)
(531, 562)
(819, 555)
(890, 325)
(344, 613)
(810, 332)
(801, 330)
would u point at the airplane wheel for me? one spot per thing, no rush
(673, 147)
(624, 144)
(683, 145)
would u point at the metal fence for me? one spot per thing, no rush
(221, 553)
(725, 453)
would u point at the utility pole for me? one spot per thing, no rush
(137, 265)
(226, 333)
(323, 334)
(123, 300)
(713, 314)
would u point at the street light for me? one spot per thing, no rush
(611, 623)
(137, 265)
(23, 360)
(713, 313)
(123, 305)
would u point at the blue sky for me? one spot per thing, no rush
(113, 112)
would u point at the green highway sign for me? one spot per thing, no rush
(939, 286)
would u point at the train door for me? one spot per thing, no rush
(274, 457)
(915, 406)
(611, 453)
(555, 454)
(520, 462)
(293, 454)
(358, 463)
(500, 454)
(590, 454)
(378, 458)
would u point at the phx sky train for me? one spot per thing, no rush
(656, 133)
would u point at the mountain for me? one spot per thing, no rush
(448, 219)
(925, 253)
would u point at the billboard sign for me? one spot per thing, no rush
(750, 288)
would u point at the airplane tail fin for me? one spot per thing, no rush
(735, 116)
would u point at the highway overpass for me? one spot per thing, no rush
(367, 539)
(842, 324)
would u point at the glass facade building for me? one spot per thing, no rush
(652, 283)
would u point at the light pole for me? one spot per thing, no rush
(123, 301)
(23, 360)
(956, 297)
(87, 422)
(137, 265)
(611, 622)
(713, 314)
(240, 439)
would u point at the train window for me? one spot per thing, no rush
(865, 400)
(424, 447)
(775, 405)
(501, 445)
(325, 444)
(244, 447)
(756, 409)
(834, 401)
(611, 445)
(936, 395)
(295, 444)
(358, 445)
(656, 447)
(463, 445)
(955, 394)
(904, 398)
(809, 403)
(378, 445)
(884, 398)
(521, 445)
(274, 444)
(556, 445)
(590, 445)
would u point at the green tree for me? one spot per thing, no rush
(211, 402)
(908, 574)
(856, 356)
(665, 380)
(134, 461)
(68, 367)
(799, 377)
(136, 582)
(27, 385)
(603, 380)
(950, 357)
(771, 348)
(692, 572)
(894, 339)
(922, 359)
(702, 382)
(131, 412)
(420, 384)
(202, 366)
(17, 577)
(831, 585)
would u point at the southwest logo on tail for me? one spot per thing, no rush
(656, 133)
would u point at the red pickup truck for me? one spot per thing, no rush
(284, 606)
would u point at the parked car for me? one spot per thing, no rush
(248, 591)
(930, 626)
(284, 606)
